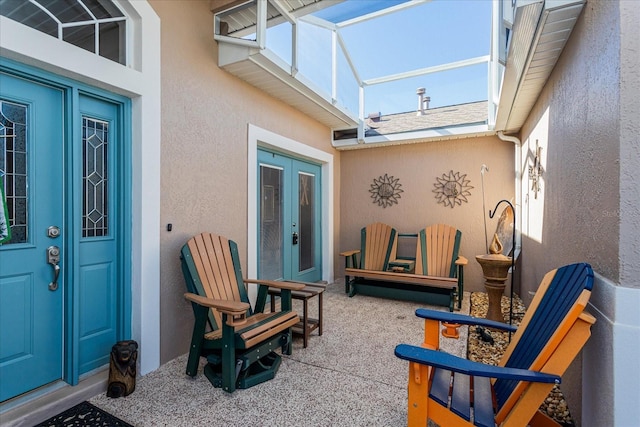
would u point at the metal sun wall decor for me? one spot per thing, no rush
(385, 190)
(535, 172)
(452, 189)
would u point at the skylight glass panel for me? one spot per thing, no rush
(350, 9)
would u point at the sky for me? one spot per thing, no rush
(433, 33)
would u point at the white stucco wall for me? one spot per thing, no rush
(586, 120)
(207, 117)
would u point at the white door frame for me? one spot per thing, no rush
(258, 137)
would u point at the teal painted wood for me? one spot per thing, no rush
(71, 207)
(291, 265)
(363, 248)
(31, 328)
(453, 271)
(404, 292)
(97, 294)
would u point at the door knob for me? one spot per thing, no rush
(53, 258)
(295, 238)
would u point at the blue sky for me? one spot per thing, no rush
(432, 33)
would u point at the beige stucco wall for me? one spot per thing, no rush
(583, 121)
(205, 114)
(417, 166)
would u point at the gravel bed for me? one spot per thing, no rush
(478, 350)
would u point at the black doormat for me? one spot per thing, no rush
(84, 414)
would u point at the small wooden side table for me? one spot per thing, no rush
(307, 324)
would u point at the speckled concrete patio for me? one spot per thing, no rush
(349, 376)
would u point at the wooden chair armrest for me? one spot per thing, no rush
(277, 284)
(232, 308)
(462, 319)
(461, 260)
(442, 360)
(349, 253)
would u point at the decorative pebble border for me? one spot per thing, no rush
(480, 351)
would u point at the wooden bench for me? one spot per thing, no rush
(437, 276)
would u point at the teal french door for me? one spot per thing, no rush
(62, 273)
(289, 214)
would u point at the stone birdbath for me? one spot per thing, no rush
(495, 269)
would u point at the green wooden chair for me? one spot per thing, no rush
(239, 343)
(437, 256)
(378, 246)
(452, 391)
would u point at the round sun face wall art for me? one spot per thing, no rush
(385, 190)
(452, 189)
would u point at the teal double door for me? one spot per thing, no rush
(289, 218)
(62, 273)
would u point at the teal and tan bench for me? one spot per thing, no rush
(435, 276)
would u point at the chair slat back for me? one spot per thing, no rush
(213, 265)
(560, 299)
(378, 246)
(437, 249)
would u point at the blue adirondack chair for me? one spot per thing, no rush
(457, 392)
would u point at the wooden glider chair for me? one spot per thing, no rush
(434, 277)
(238, 343)
(457, 392)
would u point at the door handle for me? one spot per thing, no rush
(53, 258)
(294, 238)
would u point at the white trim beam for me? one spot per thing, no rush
(428, 70)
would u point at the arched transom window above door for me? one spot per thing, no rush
(98, 26)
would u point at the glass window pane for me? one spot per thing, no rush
(306, 192)
(271, 220)
(82, 36)
(29, 14)
(95, 203)
(13, 167)
(102, 9)
(112, 37)
(66, 10)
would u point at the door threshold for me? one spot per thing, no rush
(35, 407)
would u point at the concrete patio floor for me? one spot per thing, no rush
(349, 376)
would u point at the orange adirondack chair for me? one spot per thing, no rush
(457, 392)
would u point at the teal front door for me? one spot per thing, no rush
(289, 213)
(63, 275)
(31, 299)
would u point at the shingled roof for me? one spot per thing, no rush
(452, 115)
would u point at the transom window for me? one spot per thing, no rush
(94, 25)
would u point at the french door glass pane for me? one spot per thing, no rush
(271, 221)
(306, 245)
(13, 168)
